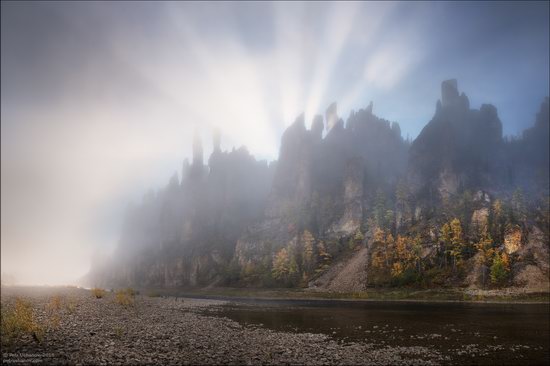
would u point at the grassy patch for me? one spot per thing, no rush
(118, 332)
(125, 297)
(71, 305)
(55, 303)
(19, 320)
(99, 293)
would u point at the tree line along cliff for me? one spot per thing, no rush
(356, 208)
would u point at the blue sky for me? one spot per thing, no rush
(100, 100)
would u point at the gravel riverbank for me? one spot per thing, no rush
(80, 329)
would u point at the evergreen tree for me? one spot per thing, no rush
(325, 257)
(308, 256)
(500, 269)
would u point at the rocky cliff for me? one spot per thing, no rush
(350, 204)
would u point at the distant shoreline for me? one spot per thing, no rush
(373, 295)
(504, 296)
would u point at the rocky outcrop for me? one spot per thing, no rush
(512, 240)
(527, 159)
(458, 149)
(334, 193)
(185, 234)
(532, 269)
(320, 183)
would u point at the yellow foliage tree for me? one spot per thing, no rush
(378, 259)
(281, 265)
(485, 247)
(451, 236)
(378, 234)
(401, 248)
(457, 242)
(389, 249)
(397, 269)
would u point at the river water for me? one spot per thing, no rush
(469, 333)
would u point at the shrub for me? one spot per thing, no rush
(54, 321)
(55, 303)
(98, 293)
(130, 291)
(124, 298)
(52, 310)
(18, 321)
(71, 305)
(118, 332)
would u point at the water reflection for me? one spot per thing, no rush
(468, 333)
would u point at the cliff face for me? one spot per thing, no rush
(460, 148)
(354, 208)
(185, 234)
(527, 158)
(320, 184)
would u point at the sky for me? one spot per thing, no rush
(100, 100)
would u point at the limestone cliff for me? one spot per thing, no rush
(350, 206)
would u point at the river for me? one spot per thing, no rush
(468, 333)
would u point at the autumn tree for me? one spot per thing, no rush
(378, 235)
(281, 264)
(401, 249)
(397, 269)
(401, 256)
(457, 242)
(452, 238)
(487, 251)
(407, 254)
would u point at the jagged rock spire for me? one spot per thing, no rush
(369, 108)
(449, 92)
(450, 96)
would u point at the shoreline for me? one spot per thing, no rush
(468, 296)
(76, 327)
(157, 331)
(380, 295)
